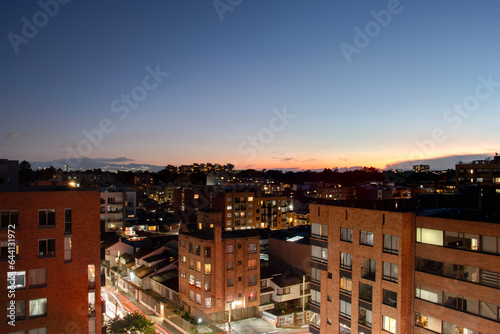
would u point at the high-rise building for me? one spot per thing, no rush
(219, 270)
(377, 271)
(50, 262)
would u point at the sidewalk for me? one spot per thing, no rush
(259, 326)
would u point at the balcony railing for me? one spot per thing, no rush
(368, 273)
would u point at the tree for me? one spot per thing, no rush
(133, 323)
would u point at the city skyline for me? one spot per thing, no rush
(259, 85)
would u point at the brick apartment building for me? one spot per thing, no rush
(377, 271)
(57, 266)
(219, 270)
(479, 172)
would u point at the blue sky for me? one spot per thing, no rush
(228, 79)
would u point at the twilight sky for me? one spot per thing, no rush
(263, 84)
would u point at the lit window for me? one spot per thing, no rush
(230, 249)
(252, 264)
(208, 268)
(67, 248)
(388, 324)
(38, 307)
(16, 279)
(20, 310)
(91, 275)
(38, 277)
(430, 236)
(208, 302)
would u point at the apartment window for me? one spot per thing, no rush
(430, 236)
(316, 274)
(252, 280)
(208, 268)
(196, 249)
(9, 218)
(198, 282)
(315, 297)
(368, 269)
(183, 258)
(182, 273)
(346, 261)
(46, 247)
(230, 298)
(391, 244)
(191, 248)
(208, 302)
(20, 311)
(345, 309)
(252, 296)
(191, 263)
(365, 317)
(67, 249)
(239, 246)
(230, 249)
(283, 291)
(183, 243)
(230, 282)
(319, 230)
(191, 279)
(252, 264)
(38, 307)
(388, 324)
(365, 292)
(252, 248)
(390, 272)
(191, 295)
(319, 253)
(91, 300)
(207, 284)
(92, 326)
(11, 252)
(461, 240)
(345, 285)
(38, 278)
(16, 279)
(230, 265)
(42, 330)
(67, 220)
(366, 238)
(207, 252)
(346, 234)
(390, 298)
(490, 244)
(47, 218)
(427, 322)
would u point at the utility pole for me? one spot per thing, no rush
(303, 298)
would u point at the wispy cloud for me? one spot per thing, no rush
(15, 135)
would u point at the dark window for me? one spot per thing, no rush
(207, 252)
(47, 217)
(368, 269)
(365, 292)
(67, 221)
(9, 218)
(345, 261)
(46, 247)
(390, 272)
(390, 298)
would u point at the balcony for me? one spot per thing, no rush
(368, 273)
